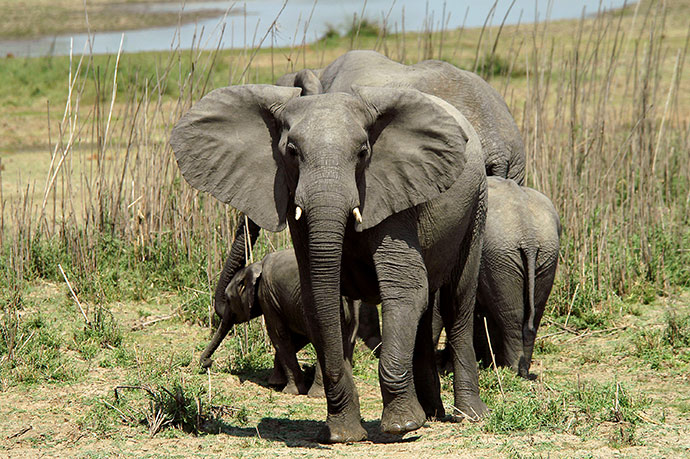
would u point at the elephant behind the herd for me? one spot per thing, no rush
(384, 190)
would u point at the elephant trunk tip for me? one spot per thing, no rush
(205, 362)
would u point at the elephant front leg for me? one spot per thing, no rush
(403, 285)
(286, 355)
(426, 379)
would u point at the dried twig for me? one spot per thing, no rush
(20, 433)
(146, 389)
(551, 334)
(74, 295)
(493, 359)
(127, 419)
(563, 327)
(142, 325)
(595, 332)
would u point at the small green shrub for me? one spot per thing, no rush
(365, 29)
(677, 331)
(102, 331)
(494, 65)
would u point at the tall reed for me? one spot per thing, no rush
(599, 106)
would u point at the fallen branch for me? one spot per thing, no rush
(146, 389)
(124, 417)
(646, 418)
(562, 327)
(142, 325)
(20, 433)
(551, 334)
(594, 332)
(195, 290)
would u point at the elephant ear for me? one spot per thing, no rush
(306, 79)
(417, 151)
(227, 145)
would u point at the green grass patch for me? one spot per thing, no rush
(102, 331)
(575, 407)
(667, 346)
(39, 356)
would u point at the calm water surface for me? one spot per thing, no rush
(243, 23)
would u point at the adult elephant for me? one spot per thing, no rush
(483, 106)
(384, 192)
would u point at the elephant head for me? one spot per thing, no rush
(241, 294)
(262, 149)
(327, 164)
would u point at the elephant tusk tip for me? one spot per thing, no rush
(298, 212)
(357, 214)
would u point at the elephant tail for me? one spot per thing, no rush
(531, 261)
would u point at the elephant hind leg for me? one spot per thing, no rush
(457, 305)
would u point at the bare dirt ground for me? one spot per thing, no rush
(71, 418)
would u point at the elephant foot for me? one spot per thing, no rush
(294, 389)
(316, 391)
(471, 408)
(402, 415)
(343, 429)
(434, 411)
(523, 370)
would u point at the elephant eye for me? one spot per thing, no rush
(291, 150)
(363, 151)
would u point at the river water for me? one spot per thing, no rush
(241, 24)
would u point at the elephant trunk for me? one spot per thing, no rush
(327, 215)
(236, 260)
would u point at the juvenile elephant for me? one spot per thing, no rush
(482, 105)
(519, 259)
(272, 287)
(384, 191)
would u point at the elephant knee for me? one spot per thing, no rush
(393, 377)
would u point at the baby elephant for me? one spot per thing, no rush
(272, 286)
(518, 265)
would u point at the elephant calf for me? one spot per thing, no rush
(272, 287)
(518, 265)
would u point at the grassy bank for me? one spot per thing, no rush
(90, 194)
(36, 18)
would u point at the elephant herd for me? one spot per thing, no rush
(401, 186)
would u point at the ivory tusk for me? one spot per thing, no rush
(358, 216)
(298, 212)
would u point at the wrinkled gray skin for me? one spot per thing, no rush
(483, 106)
(519, 259)
(414, 166)
(272, 287)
